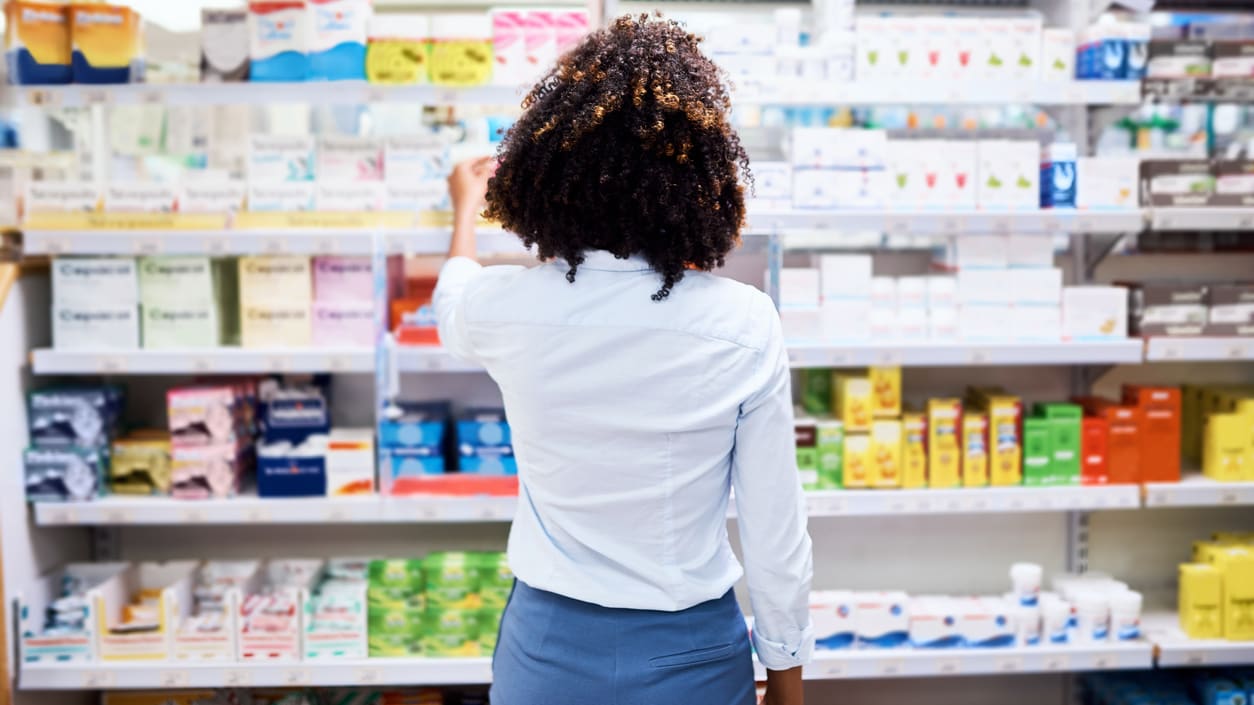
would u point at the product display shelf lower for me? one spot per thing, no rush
(1198, 491)
(982, 500)
(1174, 649)
(1202, 218)
(948, 354)
(951, 222)
(939, 92)
(346, 672)
(257, 93)
(201, 361)
(914, 663)
(881, 663)
(319, 241)
(371, 509)
(1198, 349)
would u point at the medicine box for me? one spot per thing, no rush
(224, 196)
(86, 417)
(853, 402)
(934, 623)
(165, 587)
(484, 444)
(1177, 183)
(1038, 453)
(285, 470)
(139, 464)
(348, 159)
(857, 460)
(1093, 450)
(845, 277)
(1169, 308)
(37, 44)
(95, 326)
(1094, 313)
(224, 45)
(832, 618)
(294, 415)
(267, 281)
(1232, 59)
(1123, 443)
(73, 637)
(798, 287)
(140, 198)
(1057, 60)
(107, 40)
(339, 324)
(278, 326)
(61, 197)
(806, 437)
(881, 619)
(350, 462)
(944, 427)
(1005, 446)
(336, 39)
(182, 281)
(1226, 448)
(1107, 182)
(1231, 311)
(1234, 181)
(1064, 440)
(1175, 58)
(278, 40)
(829, 451)
(1160, 434)
(885, 469)
(349, 196)
(186, 326)
(294, 197)
(1201, 601)
(86, 280)
(69, 474)
(274, 159)
(206, 471)
(1009, 174)
(985, 623)
(974, 450)
(337, 278)
(885, 391)
(914, 450)
(845, 320)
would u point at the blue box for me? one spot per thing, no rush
(482, 428)
(63, 474)
(419, 425)
(291, 476)
(488, 464)
(295, 416)
(405, 462)
(86, 417)
(1058, 175)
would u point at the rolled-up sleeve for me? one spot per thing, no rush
(450, 305)
(770, 511)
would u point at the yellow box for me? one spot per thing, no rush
(974, 450)
(1227, 451)
(265, 281)
(1005, 443)
(1201, 601)
(857, 460)
(886, 388)
(852, 402)
(913, 450)
(1237, 567)
(278, 326)
(944, 451)
(885, 454)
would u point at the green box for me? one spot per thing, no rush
(451, 633)
(494, 578)
(402, 574)
(830, 447)
(806, 435)
(1038, 452)
(816, 391)
(451, 580)
(1065, 422)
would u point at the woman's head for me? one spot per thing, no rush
(625, 147)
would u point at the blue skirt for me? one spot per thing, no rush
(553, 650)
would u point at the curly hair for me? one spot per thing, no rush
(625, 146)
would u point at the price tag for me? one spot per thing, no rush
(1084, 225)
(899, 226)
(1008, 664)
(296, 677)
(1195, 658)
(42, 98)
(202, 364)
(277, 363)
(368, 676)
(95, 680)
(1001, 226)
(55, 247)
(980, 504)
(890, 667)
(256, 515)
(173, 679)
(1245, 222)
(838, 359)
(1051, 224)
(340, 363)
(273, 246)
(152, 97)
(216, 245)
(953, 505)
(237, 679)
(951, 226)
(429, 513)
(337, 516)
(1236, 352)
(376, 95)
(1016, 504)
(888, 358)
(1057, 662)
(117, 516)
(1229, 497)
(1171, 352)
(898, 506)
(447, 97)
(923, 506)
(326, 246)
(146, 246)
(488, 513)
(396, 245)
(62, 516)
(1165, 222)
(978, 357)
(111, 365)
(1156, 499)
(97, 97)
(833, 669)
(193, 516)
(949, 666)
(1022, 95)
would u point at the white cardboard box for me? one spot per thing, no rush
(88, 280)
(798, 287)
(845, 320)
(98, 326)
(1057, 61)
(1029, 251)
(1094, 312)
(845, 277)
(1107, 182)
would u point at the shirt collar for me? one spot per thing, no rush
(602, 261)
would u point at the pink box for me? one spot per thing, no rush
(343, 279)
(571, 26)
(205, 472)
(338, 324)
(539, 41)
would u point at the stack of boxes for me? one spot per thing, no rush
(1188, 309)
(1008, 288)
(188, 302)
(70, 433)
(1217, 589)
(275, 302)
(1218, 430)
(1114, 51)
(835, 168)
(484, 444)
(1142, 435)
(211, 439)
(413, 444)
(95, 304)
(343, 302)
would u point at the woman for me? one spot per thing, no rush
(640, 389)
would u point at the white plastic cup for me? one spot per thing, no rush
(1125, 615)
(1026, 579)
(1055, 617)
(1092, 617)
(1028, 625)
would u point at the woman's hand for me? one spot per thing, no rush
(468, 187)
(784, 688)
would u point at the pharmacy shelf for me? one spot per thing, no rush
(201, 361)
(950, 222)
(985, 500)
(150, 511)
(139, 511)
(943, 354)
(880, 663)
(416, 241)
(1174, 649)
(911, 663)
(900, 92)
(1198, 491)
(1198, 349)
(313, 92)
(338, 672)
(1202, 218)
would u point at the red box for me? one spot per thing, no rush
(1094, 439)
(1123, 440)
(1160, 430)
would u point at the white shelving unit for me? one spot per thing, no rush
(207, 361)
(952, 222)
(916, 663)
(1199, 349)
(917, 92)
(1202, 218)
(942, 354)
(1198, 491)
(141, 511)
(1176, 650)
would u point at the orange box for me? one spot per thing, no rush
(1094, 438)
(974, 450)
(1160, 430)
(944, 445)
(1123, 440)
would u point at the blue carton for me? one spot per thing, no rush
(291, 476)
(419, 425)
(1058, 175)
(404, 462)
(295, 416)
(86, 417)
(484, 443)
(63, 474)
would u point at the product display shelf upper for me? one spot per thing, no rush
(202, 361)
(1198, 349)
(1173, 649)
(138, 510)
(1207, 218)
(878, 663)
(1198, 491)
(903, 91)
